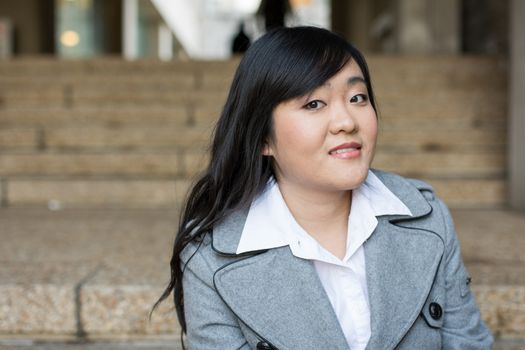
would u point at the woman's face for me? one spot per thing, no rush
(325, 140)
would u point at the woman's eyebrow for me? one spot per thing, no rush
(350, 82)
(356, 80)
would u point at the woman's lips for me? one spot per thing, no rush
(346, 150)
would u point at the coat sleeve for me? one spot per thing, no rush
(463, 327)
(210, 324)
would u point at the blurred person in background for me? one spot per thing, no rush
(241, 41)
(274, 13)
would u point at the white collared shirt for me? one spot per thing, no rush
(270, 224)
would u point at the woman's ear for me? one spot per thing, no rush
(267, 150)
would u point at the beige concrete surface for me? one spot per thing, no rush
(76, 272)
(470, 193)
(492, 244)
(96, 273)
(162, 191)
(94, 116)
(140, 138)
(125, 164)
(18, 138)
(455, 140)
(87, 117)
(89, 193)
(442, 165)
(105, 346)
(153, 344)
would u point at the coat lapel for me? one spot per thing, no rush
(401, 265)
(276, 294)
(402, 259)
(281, 298)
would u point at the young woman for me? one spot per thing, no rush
(289, 240)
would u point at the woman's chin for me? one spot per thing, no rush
(354, 179)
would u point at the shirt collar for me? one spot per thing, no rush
(270, 224)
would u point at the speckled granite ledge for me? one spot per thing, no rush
(93, 275)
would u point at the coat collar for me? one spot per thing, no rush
(281, 297)
(409, 191)
(227, 234)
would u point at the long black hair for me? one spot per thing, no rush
(283, 64)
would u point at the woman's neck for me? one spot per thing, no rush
(323, 214)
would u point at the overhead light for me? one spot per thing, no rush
(298, 3)
(70, 38)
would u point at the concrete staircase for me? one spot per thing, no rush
(112, 133)
(115, 144)
(105, 133)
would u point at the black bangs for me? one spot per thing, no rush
(296, 61)
(288, 63)
(312, 58)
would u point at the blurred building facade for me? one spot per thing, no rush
(139, 28)
(203, 29)
(88, 28)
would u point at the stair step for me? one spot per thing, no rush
(470, 140)
(406, 70)
(471, 111)
(471, 193)
(99, 116)
(90, 193)
(116, 116)
(103, 164)
(187, 137)
(60, 98)
(442, 164)
(66, 282)
(43, 67)
(174, 164)
(97, 272)
(65, 344)
(120, 192)
(20, 85)
(90, 124)
(127, 138)
(83, 94)
(211, 82)
(453, 69)
(19, 139)
(127, 165)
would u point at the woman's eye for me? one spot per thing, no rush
(359, 98)
(316, 104)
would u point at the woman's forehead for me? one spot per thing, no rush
(349, 76)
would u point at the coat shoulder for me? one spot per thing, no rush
(396, 181)
(203, 255)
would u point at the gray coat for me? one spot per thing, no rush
(418, 287)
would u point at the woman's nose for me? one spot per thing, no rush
(343, 120)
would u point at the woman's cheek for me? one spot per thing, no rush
(372, 128)
(302, 137)
(373, 141)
